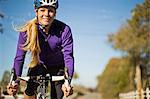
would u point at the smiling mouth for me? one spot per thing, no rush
(46, 19)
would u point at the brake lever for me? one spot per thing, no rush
(66, 78)
(12, 77)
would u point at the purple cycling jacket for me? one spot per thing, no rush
(56, 48)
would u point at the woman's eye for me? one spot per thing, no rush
(42, 10)
(51, 11)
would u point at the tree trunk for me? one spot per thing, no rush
(139, 80)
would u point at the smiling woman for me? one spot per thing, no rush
(88, 23)
(45, 16)
(50, 43)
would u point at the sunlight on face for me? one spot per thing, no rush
(45, 15)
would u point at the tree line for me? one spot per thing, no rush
(133, 40)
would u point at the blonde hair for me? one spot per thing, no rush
(32, 42)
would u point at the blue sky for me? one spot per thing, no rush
(90, 20)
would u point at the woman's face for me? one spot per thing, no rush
(45, 15)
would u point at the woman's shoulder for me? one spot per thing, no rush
(23, 34)
(60, 24)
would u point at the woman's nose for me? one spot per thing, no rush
(46, 13)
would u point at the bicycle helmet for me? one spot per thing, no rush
(40, 3)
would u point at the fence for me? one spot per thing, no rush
(145, 94)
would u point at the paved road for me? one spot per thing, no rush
(86, 96)
(74, 96)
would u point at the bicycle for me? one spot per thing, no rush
(41, 80)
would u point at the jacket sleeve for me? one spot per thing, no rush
(67, 44)
(20, 54)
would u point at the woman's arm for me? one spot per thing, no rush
(67, 44)
(20, 54)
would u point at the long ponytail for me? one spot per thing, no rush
(32, 42)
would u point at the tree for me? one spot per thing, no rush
(5, 80)
(75, 76)
(133, 38)
(115, 78)
(1, 26)
(1, 16)
(140, 24)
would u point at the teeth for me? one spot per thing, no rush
(46, 18)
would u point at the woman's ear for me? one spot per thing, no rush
(36, 11)
(55, 12)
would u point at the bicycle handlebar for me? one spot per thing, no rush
(40, 77)
(37, 78)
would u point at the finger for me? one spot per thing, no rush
(71, 93)
(66, 93)
(15, 84)
(64, 89)
(72, 89)
(14, 92)
(12, 87)
(9, 86)
(10, 92)
(67, 88)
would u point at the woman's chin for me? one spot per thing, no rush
(46, 23)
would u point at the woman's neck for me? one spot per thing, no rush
(46, 30)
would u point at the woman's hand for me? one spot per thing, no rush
(12, 89)
(68, 90)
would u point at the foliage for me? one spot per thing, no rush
(5, 80)
(1, 16)
(75, 76)
(133, 37)
(116, 78)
